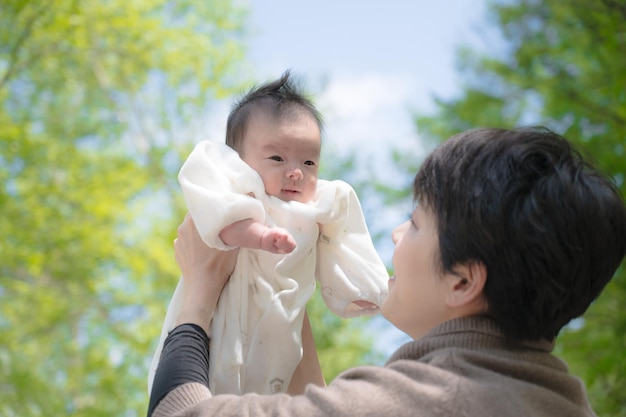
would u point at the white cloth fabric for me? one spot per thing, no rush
(256, 328)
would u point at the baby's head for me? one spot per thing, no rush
(276, 130)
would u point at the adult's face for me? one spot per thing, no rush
(417, 294)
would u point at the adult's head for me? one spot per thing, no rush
(549, 229)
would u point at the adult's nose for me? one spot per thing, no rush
(399, 231)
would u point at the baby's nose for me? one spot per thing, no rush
(295, 174)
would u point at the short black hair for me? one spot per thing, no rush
(548, 226)
(281, 97)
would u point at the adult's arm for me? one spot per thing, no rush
(185, 354)
(184, 360)
(205, 271)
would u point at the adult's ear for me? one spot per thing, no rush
(465, 286)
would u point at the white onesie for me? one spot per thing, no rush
(256, 327)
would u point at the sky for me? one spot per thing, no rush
(369, 64)
(381, 59)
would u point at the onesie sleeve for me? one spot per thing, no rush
(348, 267)
(220, 189)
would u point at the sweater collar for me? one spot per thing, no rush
(473, 332)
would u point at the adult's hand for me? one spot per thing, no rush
(205, 271)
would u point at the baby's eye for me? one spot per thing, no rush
(310, 163)
(276, 158)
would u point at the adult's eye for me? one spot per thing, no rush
(410, 218)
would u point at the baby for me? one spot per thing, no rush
(261, 193)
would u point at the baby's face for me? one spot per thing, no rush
(285, 152)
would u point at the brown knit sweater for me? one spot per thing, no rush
(463, 367)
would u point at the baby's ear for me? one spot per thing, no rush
(465, 286)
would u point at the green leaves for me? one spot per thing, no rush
(92, 99)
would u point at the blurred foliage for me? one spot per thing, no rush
(100, 102)
(93, 96)
(559, 64)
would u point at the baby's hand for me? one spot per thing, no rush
(277, 240)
